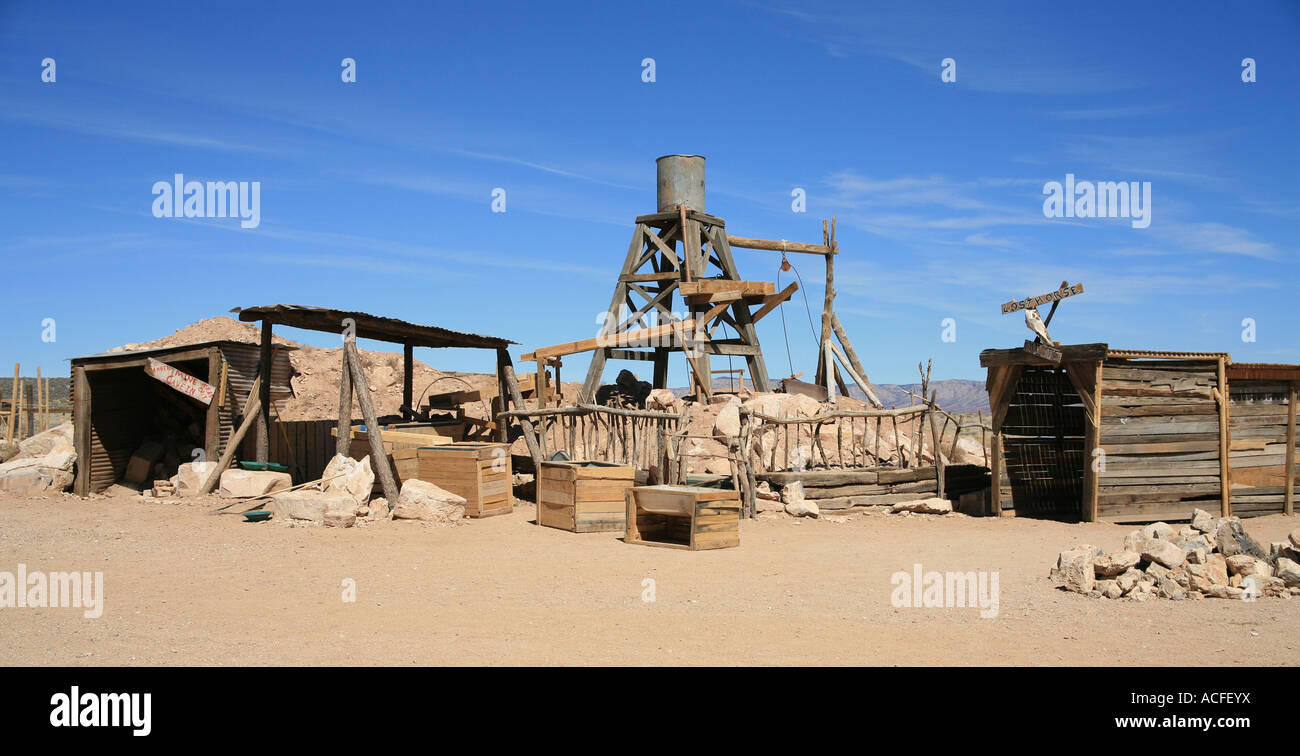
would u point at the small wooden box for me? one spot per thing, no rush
(480, 472)
(683, 517)
(583, 496)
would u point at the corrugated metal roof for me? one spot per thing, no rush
(135, 354)
(369, 326)
(1158, 355)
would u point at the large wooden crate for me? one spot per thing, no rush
(583, 496)
(480, 472)
(682, 517)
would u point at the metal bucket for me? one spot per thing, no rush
(680, 182)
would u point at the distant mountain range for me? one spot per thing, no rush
(954, 395)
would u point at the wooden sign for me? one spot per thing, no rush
(1055, 296)
(181, 381)
(1045, 351)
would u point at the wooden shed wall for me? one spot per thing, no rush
(1258, 457)
(1160, 433)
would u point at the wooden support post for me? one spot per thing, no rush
(1091, 443)
(1225, 445)
(408, 376)
(264, 397)
(1288, 502)
(81, 430)
(343, 437)
(530, 437)
(824, 365)
(212, 423)
(13, 407)
(855, 363)
(39, 422)
(378, 457)
(995, 474)
(252, 411)
(938, 447)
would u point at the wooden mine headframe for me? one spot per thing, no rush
(682, 250)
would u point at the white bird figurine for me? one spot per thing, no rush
(1034, 322)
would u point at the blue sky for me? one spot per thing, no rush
(376, 195)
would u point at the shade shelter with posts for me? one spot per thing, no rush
(1139, 435)
(353, 325)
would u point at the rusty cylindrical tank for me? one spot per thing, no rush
(680, 182)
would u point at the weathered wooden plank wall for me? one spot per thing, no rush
(1160, 432)
(1258, 450)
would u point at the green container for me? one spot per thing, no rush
(264, 466)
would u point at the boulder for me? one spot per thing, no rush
(1110, 565)
(1288, 571)
(357, 481)
(1128, 579)
(1203, 521)
(1226, 592)
(727, 423)
(339, 519)
(1162, 552)
(238, 484)
(421, 500)
(663, 400)
(1133, 540)
(924, 506)
(1074, 569)
(1233, 540)
(191, 475)
(309, 505)
(1109, 589)
(35, 481)
(792, 497)
(139, 467)
(1217, 568)
(45, 442)
(1158, 530)
(1198, 578)
(1294, 538)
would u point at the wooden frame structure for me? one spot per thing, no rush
(354, 325)
(1138, 435)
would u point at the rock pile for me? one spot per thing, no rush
(1211, 557)
(44, 464)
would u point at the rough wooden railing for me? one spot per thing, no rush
(640, 438)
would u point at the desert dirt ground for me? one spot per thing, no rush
(186, 587)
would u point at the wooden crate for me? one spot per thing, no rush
(480, 472)
(704, 518)
(583, 496)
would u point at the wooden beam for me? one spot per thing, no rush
(938, 447)
(344, 436)
(252, 411)
(857, 372)
(711, 286)
(264, 395)
(507, 370)
(378, 456)
(772, 301)
(408, 376)
(624, 339)
(1018, 356)
(1288, 500)
(1225, 443)
(780, 246)
(81, 431)
(212, 422)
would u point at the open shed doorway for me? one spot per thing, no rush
(1044, 434)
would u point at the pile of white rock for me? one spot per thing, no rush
(1212, 557)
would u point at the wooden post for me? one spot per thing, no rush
(530, 438)
(1225, 445)
(252, 410)
(343, 438)
(39, 422)
(938, 447)
(408, 376)
(264, 395)
(378, 457)
(995, 477)
(854, 363)
(212, 423)
(1288, 502)
(825, 367)
(81, 430)
(1092, 442)
(13, 407)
